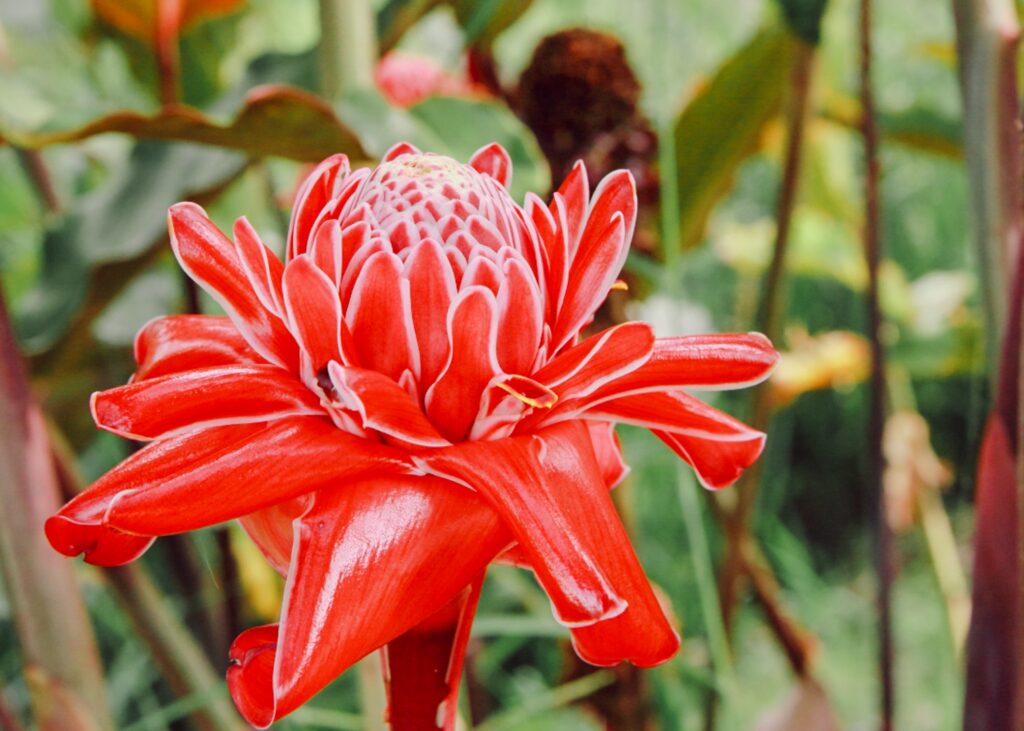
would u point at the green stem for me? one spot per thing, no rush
(348, 46)
(707, 590)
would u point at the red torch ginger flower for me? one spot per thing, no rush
(403, 400)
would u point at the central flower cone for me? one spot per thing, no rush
(401, 402)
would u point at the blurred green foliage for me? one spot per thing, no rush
(82, 277)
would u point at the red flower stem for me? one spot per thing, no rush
(169, 16)
(876, 414)
(62, 665)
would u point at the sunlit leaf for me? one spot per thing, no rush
(723, 123)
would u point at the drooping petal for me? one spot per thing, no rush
(608, 452)
(384, 406)
(454, 400)
(271, 530)
(211, 260)
(424, 666)
(283, 460)
(718, 446)
(494, 161)
(78, 527)
(673, 411)
(262, 267)
(431, 290)
(179, 343)
(319, 188)
(371, 561)
(699, 361)
(549, 490)
(718, 463)
(313, 308)
(201, 398)
(378, 318)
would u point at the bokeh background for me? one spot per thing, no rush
(744, 123)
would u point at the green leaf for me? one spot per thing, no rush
(123, 221)
(274, 120)
(723, 124)
(483, 20)
(804, 18)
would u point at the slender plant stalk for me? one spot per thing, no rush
(348, 46)
(373, 697)
(169, 17)
(987, 36)
(740, 561)
(32, 163)
(876, 408)
(696, 537)
(62, 665)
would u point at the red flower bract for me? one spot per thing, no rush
(402, 401)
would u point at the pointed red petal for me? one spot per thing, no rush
(574, 192)
(314, 311)
(285, 459)
(431, 290)
(201, 398)
(695, 361)
(718, 463)
(597, 361)
(377, 318)
(549, 490)
(453, 402)
(494, 161)
(402, 148)
(608, 452)
(78, 527)
(315, 193)
(384, 406)
(179, 343)
(600, 254)
(326, 251)
(520, 318)
(210, 259)
(424, 666)
(261, 265)
(674, 411)
(372, 560)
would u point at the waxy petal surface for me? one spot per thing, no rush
(404, 547)
(179, 343)
(549, 489)
(285, 459)
(209, 257)
(201, 398)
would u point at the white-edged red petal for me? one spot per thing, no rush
(284, 459)
(201, 398)
(209, 257)
(179, 343)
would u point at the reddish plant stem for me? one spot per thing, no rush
(876, 413)
(61, 662)
(35, 167)
(170, 14)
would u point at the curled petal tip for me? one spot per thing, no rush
(250, 675)
(98, 544)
